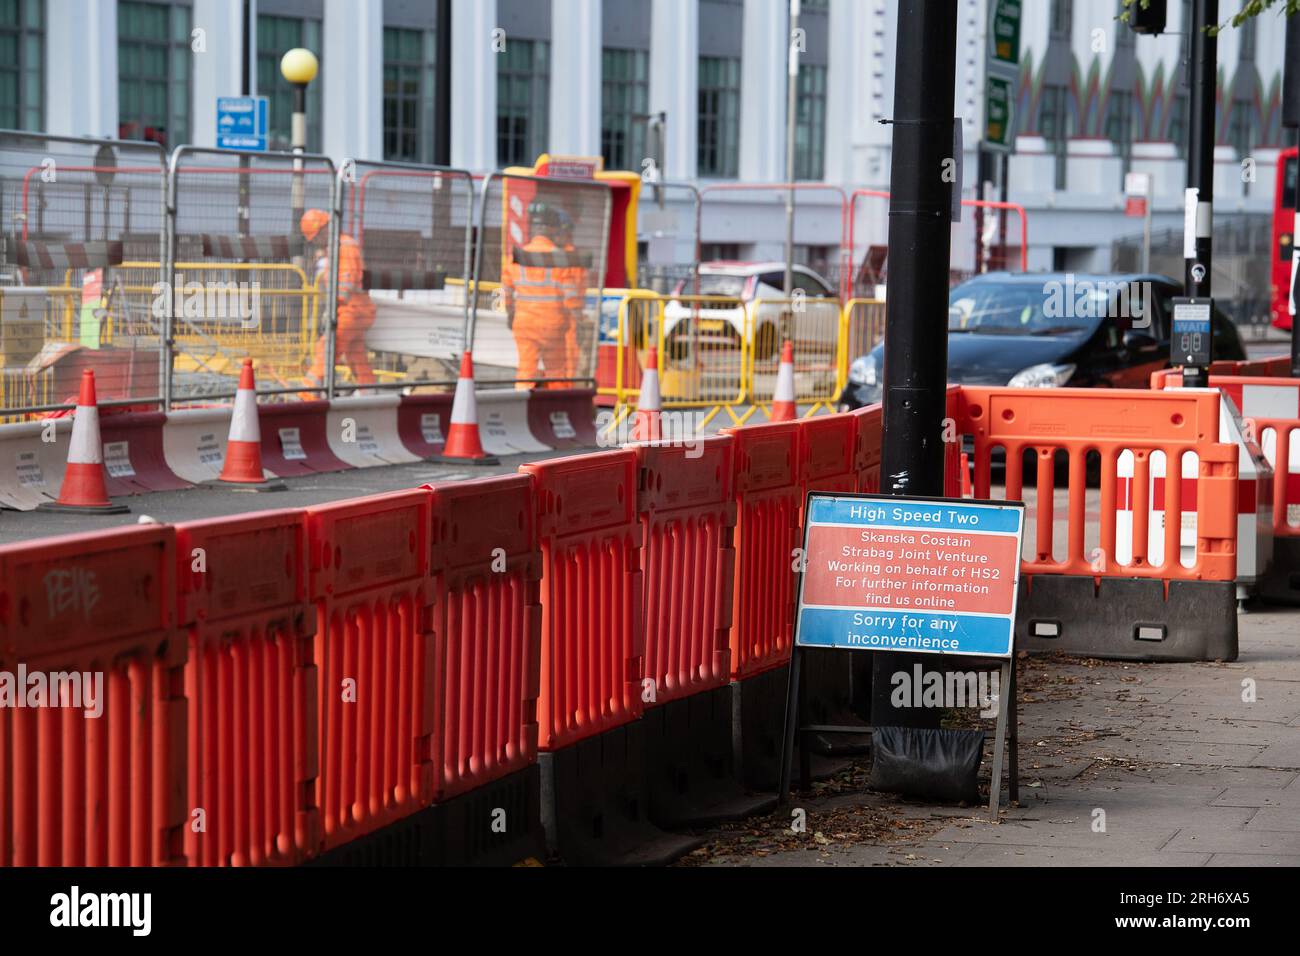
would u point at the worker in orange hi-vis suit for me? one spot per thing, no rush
(356, 310)
(545, 287)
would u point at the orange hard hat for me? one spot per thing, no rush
(313, 221)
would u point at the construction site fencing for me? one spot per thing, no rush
(349, 666)
(864, 329)
(75, 212)
(235, 219)
(813, 326)
(412, 227)
(522, 333)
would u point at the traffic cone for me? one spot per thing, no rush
(463, 445)
(645, 427)
(783, 406)
(83, 490)
(243, 464)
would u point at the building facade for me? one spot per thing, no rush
(591, 76)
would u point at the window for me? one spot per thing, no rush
(1054, 125)
(22, 50)
(810, 123)
(523, 92)
(409, 60)
(624, 99)
(275, 37)
(1061, 16)
(718, 120)
(153, 69)
(1119, 123)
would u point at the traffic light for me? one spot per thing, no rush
(1147, 16)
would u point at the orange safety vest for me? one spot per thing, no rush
(355, 307)
(544, 283)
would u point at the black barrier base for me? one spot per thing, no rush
(216, 484)
(497, 824)
(690, 764)
(828, 688)
(595, 802)
(1281, 585)
(1128, 619)
(758, 721)
(478, 462)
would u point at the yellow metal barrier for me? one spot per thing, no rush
(862, 329)
(813, 325)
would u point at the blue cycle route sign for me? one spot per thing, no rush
(242, 122)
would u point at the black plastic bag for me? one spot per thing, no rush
(940, 765)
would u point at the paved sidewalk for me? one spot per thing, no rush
(1184, 771)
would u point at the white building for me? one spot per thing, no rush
(584, 76)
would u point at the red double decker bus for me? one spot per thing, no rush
(1284, 237)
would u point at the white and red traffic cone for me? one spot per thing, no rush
(84, 490)
(463, 444)
(783, 404)
(243, 464)
(645, 427)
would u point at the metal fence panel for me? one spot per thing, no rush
(73, 212)
(247, 283)
(535, 346)
(413, 227)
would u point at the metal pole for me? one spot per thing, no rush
(298, 139)
(916, 300)
(1146, 229)
(1199, 209)
(442, 88)
(791, 91)
(169, 274)
(331, 311)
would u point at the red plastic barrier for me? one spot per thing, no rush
(251, 685)
(369, 575)
(870, 423)
(1271, 407)
(106, 790)
(423, 422)
(688, 513)
(769, 500)
(828, 447)
(592, 625)
(488, 629)
(563, 417)
(294, 440)
(951, 438)
(133, 454)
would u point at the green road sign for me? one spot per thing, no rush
(1004, 32)
(998, 92)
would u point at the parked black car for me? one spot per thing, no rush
(1051, 329)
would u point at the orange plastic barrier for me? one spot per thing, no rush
(369, 575)
(688, 513)
(866, 460)
(250, 682)
(1116, 420)
(78, 790)
(592, 625)
(828, 448)
(488, 629)
(769, 500)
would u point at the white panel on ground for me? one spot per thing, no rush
(194, 443)
(31, 469)
(363, 431)
(503, 422)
